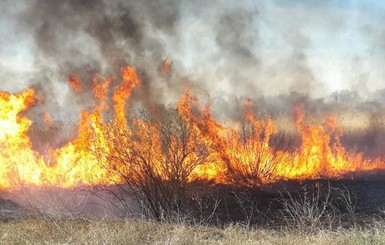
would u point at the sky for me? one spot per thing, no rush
(229, 48)
(341, 41)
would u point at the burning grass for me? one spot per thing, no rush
(181, 165)
(175, 145)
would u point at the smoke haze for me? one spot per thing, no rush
(279, 53)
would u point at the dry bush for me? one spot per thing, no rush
(255, 142)
(251, 154)
(251, 212)
(155, 156)
(316, 208)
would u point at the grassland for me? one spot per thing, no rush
(43, 230)
(338, 213)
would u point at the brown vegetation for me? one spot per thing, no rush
(60, 231)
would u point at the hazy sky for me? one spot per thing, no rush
(343, 42)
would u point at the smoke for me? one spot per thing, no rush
(275, 53)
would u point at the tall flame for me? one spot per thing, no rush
(248, 154)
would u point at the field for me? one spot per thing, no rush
(66, 231)
(330, 215)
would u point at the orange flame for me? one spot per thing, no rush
(247, 154)
(130, 80)
(47, 118)
(166, 66)
(75, 84)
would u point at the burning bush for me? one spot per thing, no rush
(155, 156)
(250, 155)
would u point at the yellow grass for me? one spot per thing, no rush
(67, 231)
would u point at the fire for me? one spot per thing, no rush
(130, 80)
(251, 153)
(17, 158)
(47, 118)
(166, 66)
(75, 84)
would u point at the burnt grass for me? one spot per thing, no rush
(264, 205)
(220, 205)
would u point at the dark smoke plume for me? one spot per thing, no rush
(215, 47)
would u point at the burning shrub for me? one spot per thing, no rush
(251, 156)
(155, 156)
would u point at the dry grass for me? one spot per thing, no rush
(66, 231)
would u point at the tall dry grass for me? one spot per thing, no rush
(44, 230)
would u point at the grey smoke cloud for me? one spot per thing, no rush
(223, 49)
